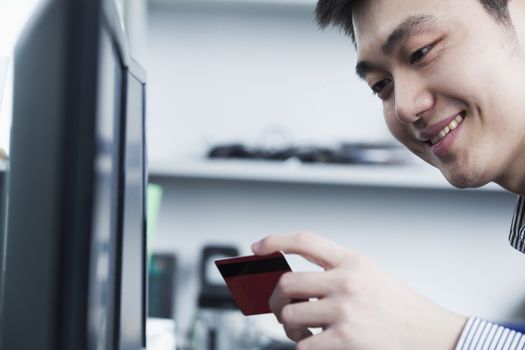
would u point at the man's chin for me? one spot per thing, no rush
(462, 172)
(464, 179)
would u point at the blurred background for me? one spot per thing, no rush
(257, 124)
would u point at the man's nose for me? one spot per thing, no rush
(412, 100)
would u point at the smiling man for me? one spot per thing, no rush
(451, 77)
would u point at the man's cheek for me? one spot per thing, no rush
(403, 135)
(397, 130)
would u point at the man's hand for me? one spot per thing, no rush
(358, 306)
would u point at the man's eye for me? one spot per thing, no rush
(419, 54)
(379, 87)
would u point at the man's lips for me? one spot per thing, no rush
(434, 130)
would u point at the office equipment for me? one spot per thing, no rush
(75, 249)
(216, 324)
(133, 245)
(212, 294)
(161, 282)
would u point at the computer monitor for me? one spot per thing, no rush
(74, 260)
(133, 277)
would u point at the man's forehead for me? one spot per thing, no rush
(375, 20)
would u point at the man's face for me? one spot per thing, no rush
(452, 82)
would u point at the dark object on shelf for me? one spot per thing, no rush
(346, 153)
(160, 288)
(240, 151)
(231, 151)
(373, 153)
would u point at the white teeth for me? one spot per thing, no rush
(451, 126)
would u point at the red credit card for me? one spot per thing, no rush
(252, 279)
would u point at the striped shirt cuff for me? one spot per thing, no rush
(479, 334)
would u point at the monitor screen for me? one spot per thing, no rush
(103, 283)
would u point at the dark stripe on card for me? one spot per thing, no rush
(253, 267)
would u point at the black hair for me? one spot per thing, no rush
(339, 13)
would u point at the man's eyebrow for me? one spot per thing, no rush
(364, 67)
(411, 26)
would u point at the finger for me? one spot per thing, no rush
(299, 286)
(277, 301)
(320, 313)
(305, 285)
(314, 248)
(287, 292)
(297, 334)
(330, 339)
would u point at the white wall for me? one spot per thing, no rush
(135, 14)
(221, 72)
(14, 15)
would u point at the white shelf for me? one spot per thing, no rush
(409, 176)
